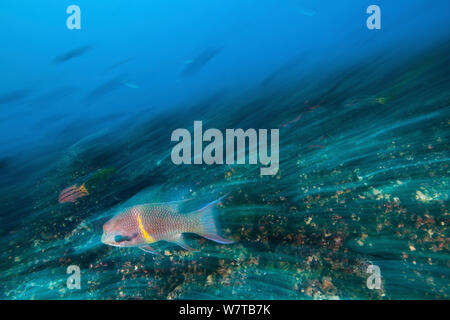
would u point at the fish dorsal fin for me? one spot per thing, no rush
(174, 205)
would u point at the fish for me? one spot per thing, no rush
(307, 12)
(71, 54)
(196, 64)
(131, 85)
(99, 175)
(102, 90)
(145, 224)
(13, 96)
(367, 101)
(72, 193)
(53, 96)
(90, 181)
(114, 66)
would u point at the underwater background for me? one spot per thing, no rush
(364, 150)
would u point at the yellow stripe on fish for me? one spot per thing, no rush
(147, 237)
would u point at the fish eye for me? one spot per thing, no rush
(120, 238)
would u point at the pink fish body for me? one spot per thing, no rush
(72, 193)
(142, 225)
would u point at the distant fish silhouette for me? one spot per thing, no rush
(195, 65)
(71, 54)
(307, 12)
(118, 64)
(130, 84)
(4, 162)
(102, 90)
(53, 96)
(286, 69)
(13, 96)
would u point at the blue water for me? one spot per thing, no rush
(363, 118)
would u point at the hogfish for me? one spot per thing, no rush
(144, 224)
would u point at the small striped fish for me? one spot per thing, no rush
(72, 193)
(142, 225)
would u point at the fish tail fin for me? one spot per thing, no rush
(83, 189)
(209, 225)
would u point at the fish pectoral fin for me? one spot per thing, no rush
(179, 240)
(148, 249)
